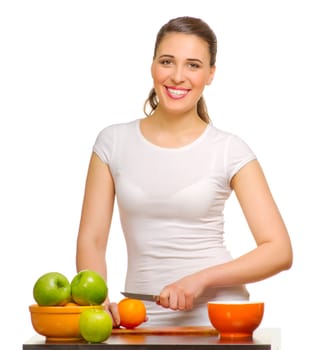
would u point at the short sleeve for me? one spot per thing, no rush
(104, 144)
(237, 154)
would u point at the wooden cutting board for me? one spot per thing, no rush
(192, 330)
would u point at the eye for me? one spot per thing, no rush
(165, 61)
(194, 65)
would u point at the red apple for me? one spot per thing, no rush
(88, 287)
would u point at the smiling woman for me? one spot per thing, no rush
(172, 173)
(181, 69)
(199, 54)
(70, 67)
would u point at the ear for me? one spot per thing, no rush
(211, 76)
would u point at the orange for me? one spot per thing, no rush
(132, 312)
(72, 304)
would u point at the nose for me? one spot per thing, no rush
(178, 74)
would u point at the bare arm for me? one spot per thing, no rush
(96, 218)
(95, 222)
(272, 254)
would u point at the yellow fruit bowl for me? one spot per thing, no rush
(58, 323)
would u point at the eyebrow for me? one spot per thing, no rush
(188, 59)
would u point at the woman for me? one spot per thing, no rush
(172, 172)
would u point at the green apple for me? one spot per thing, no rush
(95, 325)
(88, 287)
(52, 289)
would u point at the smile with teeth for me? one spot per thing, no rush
(177, 93)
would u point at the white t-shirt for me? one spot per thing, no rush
(171, 203)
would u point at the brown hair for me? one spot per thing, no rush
(186, 25)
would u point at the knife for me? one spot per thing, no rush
(147, 297)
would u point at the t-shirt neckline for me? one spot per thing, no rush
(171, 149)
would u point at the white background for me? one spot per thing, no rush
(70, 68)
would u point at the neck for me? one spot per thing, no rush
(174, 123)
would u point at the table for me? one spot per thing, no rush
(263, 339)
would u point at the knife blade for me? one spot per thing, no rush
(147, 297)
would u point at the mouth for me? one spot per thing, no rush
(176, 93)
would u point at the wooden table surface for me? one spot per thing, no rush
(263, 339)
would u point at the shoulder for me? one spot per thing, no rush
(110, 137)
(224, 137)
(231, 149)
(118, 128)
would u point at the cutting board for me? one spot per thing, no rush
(191, 330)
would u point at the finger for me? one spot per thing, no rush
(113, 310)
(164, 299)
(173, 301)
(181, 302)
(189, 303)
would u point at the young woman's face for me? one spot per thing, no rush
(181, 70)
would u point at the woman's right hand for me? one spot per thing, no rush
(112, 309)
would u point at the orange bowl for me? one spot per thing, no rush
(235, 319)
(58, 323)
